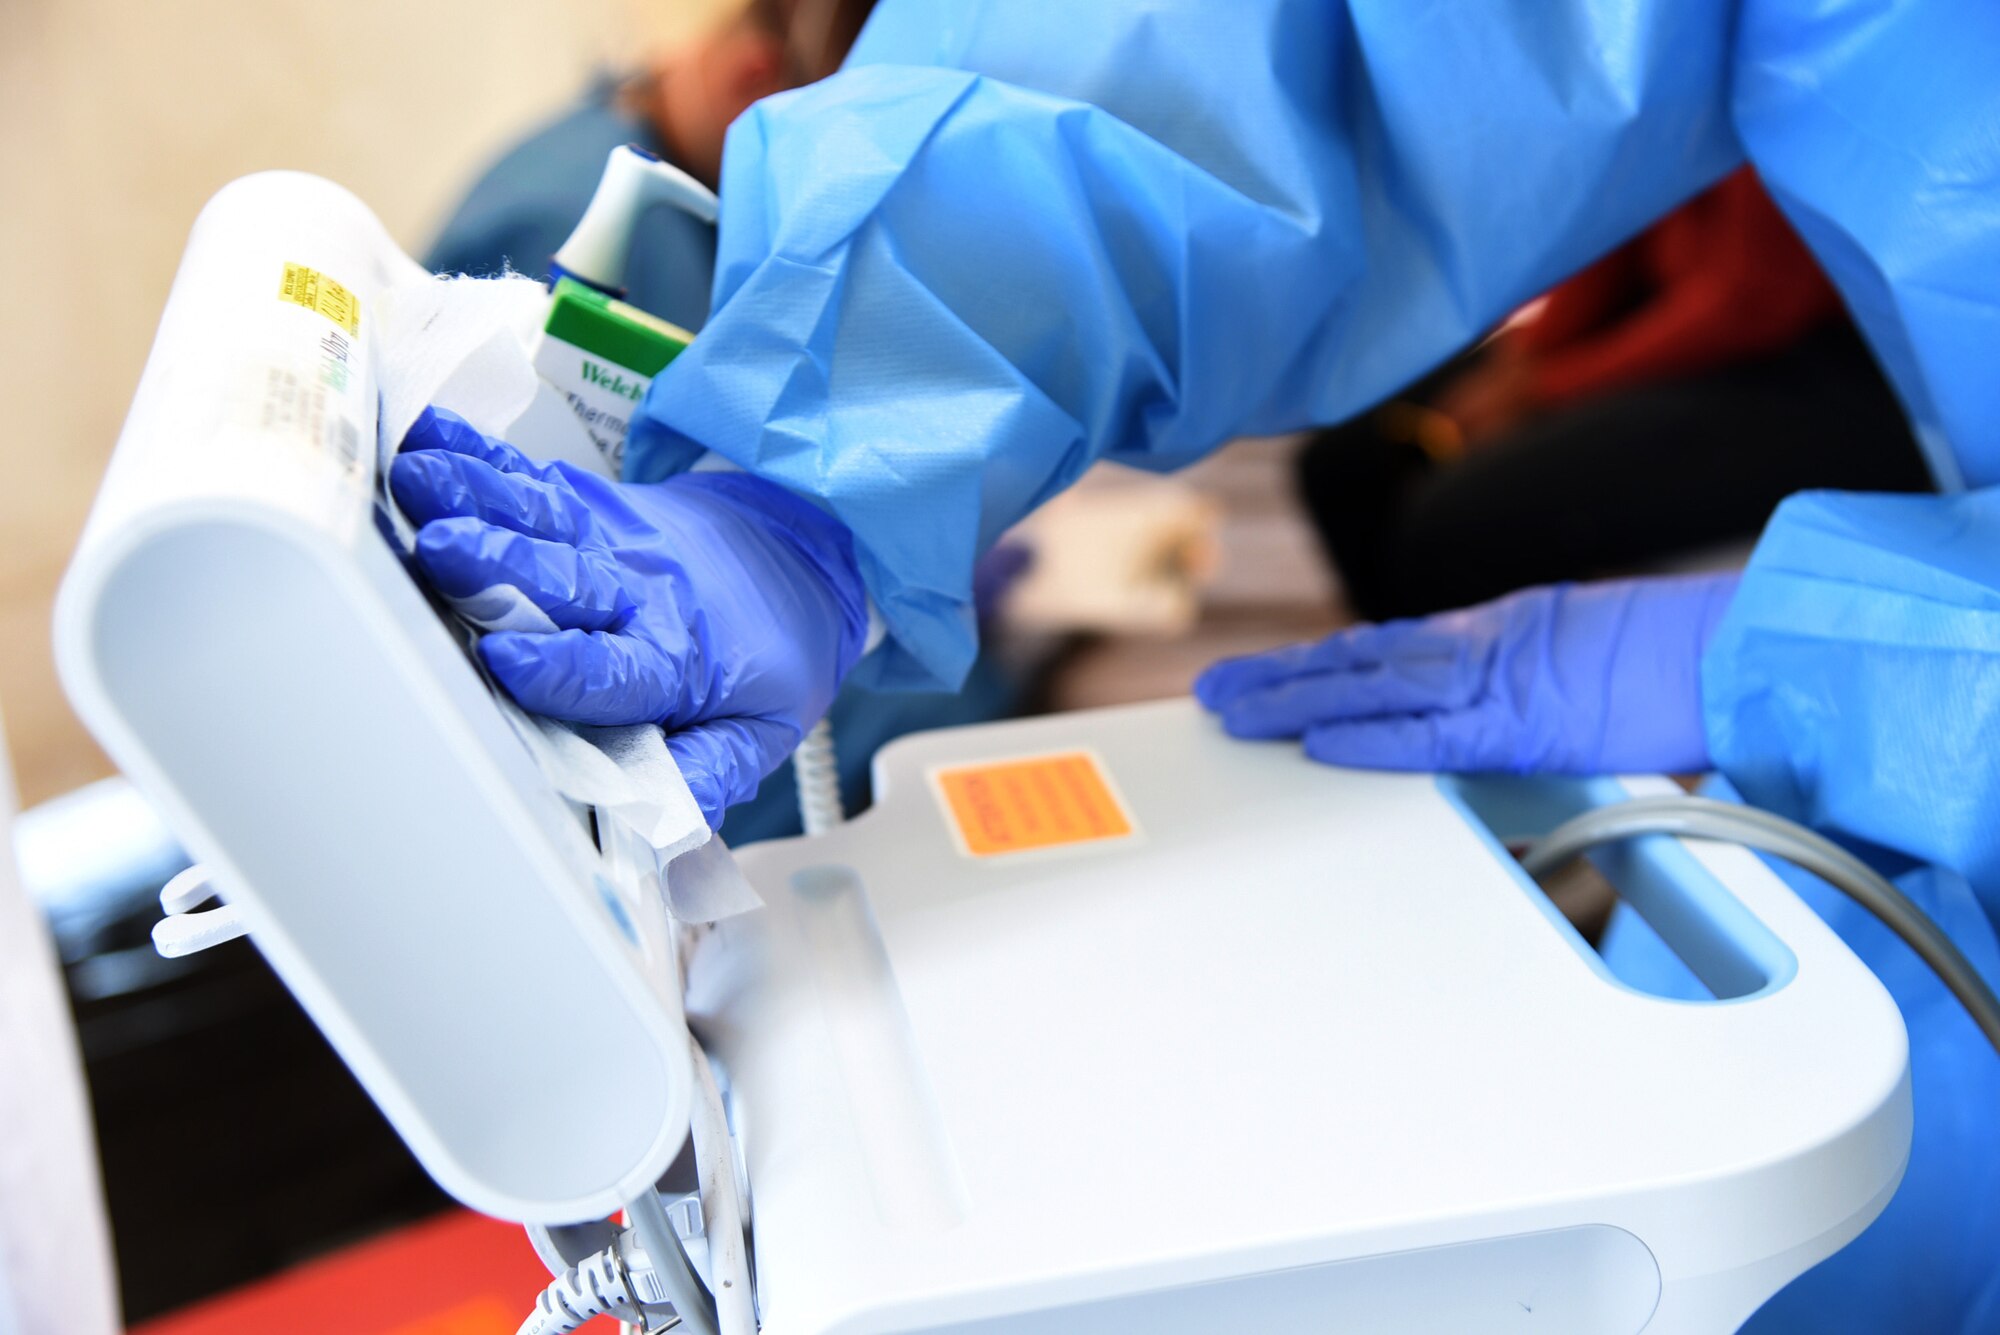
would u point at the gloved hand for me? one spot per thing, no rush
(716, 604)
(1570, 679)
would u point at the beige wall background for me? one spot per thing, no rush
(118, 119)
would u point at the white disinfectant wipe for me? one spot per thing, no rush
(461, 344)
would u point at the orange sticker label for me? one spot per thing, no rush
(1011, 806)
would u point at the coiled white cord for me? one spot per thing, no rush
(817, 770)
(607, 1284)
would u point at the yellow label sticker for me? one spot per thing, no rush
(1011, 806)
(316, 292)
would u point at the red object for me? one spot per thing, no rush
(1722, 279)
(457, 1274)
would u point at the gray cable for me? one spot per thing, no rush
(690, 1297)
(1706, 818)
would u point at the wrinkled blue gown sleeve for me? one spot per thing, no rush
(1854, 683)
(1015, 238)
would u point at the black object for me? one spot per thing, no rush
(233, 1141)
(1605, 485)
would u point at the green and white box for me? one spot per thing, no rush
(601, 353)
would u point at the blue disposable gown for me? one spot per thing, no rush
(1019, 236)
(1014, 238)
(1855, 685)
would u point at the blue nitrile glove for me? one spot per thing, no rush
(716, 604)
(1570, 679)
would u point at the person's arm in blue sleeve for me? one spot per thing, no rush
(1849, 680)
(1022, 237)
(1876, 128)
(1855, 682)
(1013, 239)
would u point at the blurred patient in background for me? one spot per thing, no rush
(679, 106)
(1657, 405)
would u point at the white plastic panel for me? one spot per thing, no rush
(1303, 1015)
(237, 635)
(404, 894)
(1572, 1281)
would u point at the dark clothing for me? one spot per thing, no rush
(1604, 485)
(523, 207)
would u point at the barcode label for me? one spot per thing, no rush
(307, 410)
(345, 444)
